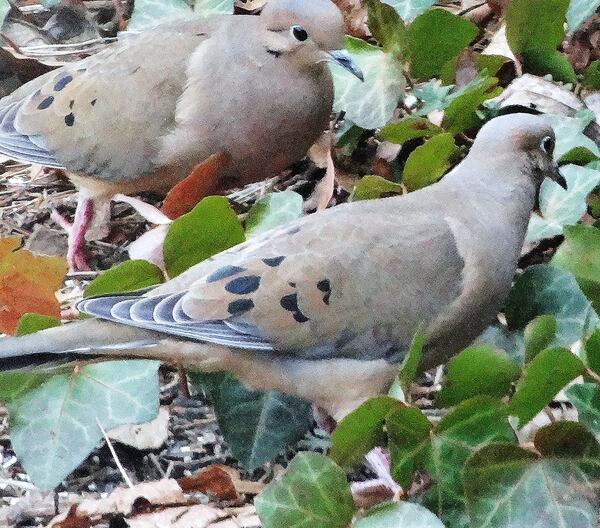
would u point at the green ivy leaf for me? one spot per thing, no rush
(55, 425)
(362, 430)
(434, 38)
(546, 290)
(150, 13)
(372, 187)
(410, 364)
(487, 65)
(398, 514)
(128, 276)
(369, 104)
(409, 128)
(534, 30)
(539, 334)
(542, 379)
(591, 352)
(429, 162)
(32, 322)
(507, 487)
(215, 228)
(566, 439)
(257, 426)
(410, 9)
(579, 11)
(586, 399)
(433, 96)
(580, 255)
(386, 26)
(272, 210)
(591, 76)
(477, 370)
(461, 111)
(570, 135)
(313, 492)
(213, 7)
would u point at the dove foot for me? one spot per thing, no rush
(76, 254)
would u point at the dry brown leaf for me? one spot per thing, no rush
(74, 520)
(203, 180)
(27, 284)
(216, 480)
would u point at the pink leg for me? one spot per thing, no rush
(383, 488)
(83, 216)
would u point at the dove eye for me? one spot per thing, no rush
(299, 33)
(547, 145)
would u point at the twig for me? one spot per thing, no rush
(114, 454)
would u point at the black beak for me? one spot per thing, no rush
(557, 176)
(344, 59)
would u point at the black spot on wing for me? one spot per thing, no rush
(70, 119)
(243, 285)
(290, 303)
(93, 102)
(273, 262)
(325, 286)
(62, 82)
(240, 306)
(224, 272)
(46, 103)
(293, 230)
(71, 104)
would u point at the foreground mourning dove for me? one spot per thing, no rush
(326, 307)
(141, 114)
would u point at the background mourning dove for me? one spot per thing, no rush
(141, 114)
(326, 307)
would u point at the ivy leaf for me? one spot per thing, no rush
(410, 364)
(434, 38)
(429, 162)
(257, 426)
(128, 276)
(560, 207)
(386, 26)
(369, 104)
(409, 128)
(580, 255)
(372, 187)
(32, 322)
(591, 351)
(579, 11)
(396, 514)
(539, 334)
(313, 492)
(215, 228)
(410, 9)
(213, 7)
(586, 399)
(433, 96)
(477, 370)
(507, 486)
(570, 135)
(591, 76)
(55, 426)
(546, 290)
(151, 13)
(542, 379)
(272, 210)
(534, 30)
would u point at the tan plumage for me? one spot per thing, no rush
(326, 307)
(141, 114)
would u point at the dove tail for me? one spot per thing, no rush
(85, 339)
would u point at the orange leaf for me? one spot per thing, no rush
(216, 480)
(202, 181)
(27, 284)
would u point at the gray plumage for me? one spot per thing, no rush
(327, 306)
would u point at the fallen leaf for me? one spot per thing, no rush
(27, 284)
(149, 435)
(203, 180)
(214, 480)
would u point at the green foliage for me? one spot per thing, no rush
(313, 492)
(31, 323)
(128, 276)
(542, 378)
(372, 187)
(362, 430)
(410, 9)
(591, 76)
(428, 163)
(534, 30)
(409, 128)
(398, 514)
(410, 364)
(539, 334)
(546, 290)
(369, 104)
(55, 425)
(387, 27)
(150, 13)
(507, 486)
(580, 255)
(475, 371)
(215, 227)
(272, 210)
(213, 7)
(579, 11)
(591, 352)
(257, 425)
(434, 38)
(586, 398)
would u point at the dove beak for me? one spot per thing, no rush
(345, 60)
(556, 176)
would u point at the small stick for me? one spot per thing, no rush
(114, 454)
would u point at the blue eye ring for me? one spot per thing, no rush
(299, 33)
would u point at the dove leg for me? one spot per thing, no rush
(83, 216)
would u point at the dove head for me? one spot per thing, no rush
(310, 30)
(526, 138)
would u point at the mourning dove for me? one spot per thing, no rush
(140, 115)
(326, 307)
